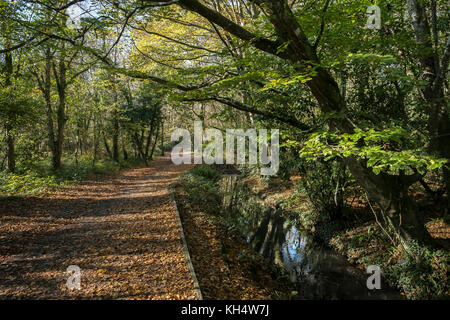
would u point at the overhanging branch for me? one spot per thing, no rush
(251, 109)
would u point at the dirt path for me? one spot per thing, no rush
(122, 232)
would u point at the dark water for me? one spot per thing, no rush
(318, 271)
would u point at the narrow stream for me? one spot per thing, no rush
(318, 271)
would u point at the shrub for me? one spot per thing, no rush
(207, 172)
(325, 183)
(27, 183)
(200, 183)
(289, 165)
(39, 176)
(419, 272)
(423, 273)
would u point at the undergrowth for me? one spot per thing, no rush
(39, 177)
(418, 272)
(201, 186)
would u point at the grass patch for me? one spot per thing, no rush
(40, 177)
(27, 183)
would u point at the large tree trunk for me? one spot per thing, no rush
(398, 210)
(389, 192)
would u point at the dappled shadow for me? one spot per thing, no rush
(121, 232)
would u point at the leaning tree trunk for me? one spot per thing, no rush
(398, 211)
(389, 192)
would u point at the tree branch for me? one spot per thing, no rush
(232, 27)
(251, 109)
(322, 25)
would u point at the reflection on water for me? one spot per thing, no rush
(319, 272)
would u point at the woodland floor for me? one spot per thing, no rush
(122, 232)
(239, 272)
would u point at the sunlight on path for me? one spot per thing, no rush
(122, 232)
